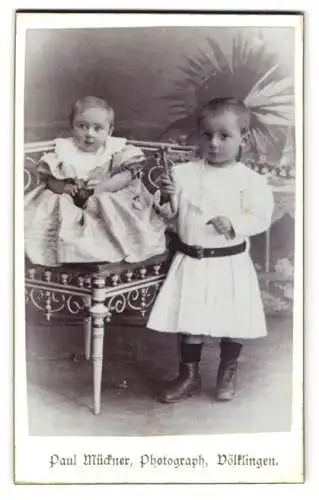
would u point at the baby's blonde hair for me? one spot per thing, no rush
(92, 102)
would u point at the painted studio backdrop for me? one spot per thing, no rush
(157, 79)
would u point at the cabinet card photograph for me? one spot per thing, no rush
(158, 248)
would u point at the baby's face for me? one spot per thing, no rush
(90, 128)
(220, 137)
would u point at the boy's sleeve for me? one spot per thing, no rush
(257, 204)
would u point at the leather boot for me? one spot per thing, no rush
(227, 370)
(185, 385)
(188, 381)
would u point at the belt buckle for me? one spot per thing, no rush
(199, 252)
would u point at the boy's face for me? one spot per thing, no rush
(91, 127)
(220, 137)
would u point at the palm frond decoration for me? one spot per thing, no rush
(248, 72)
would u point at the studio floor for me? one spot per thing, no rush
(136, 361)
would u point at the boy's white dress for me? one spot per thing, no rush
(216, 296)
(113, 226)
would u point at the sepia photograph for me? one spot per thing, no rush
(158, 235)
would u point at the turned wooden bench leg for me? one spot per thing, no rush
(87, 329)
(267, 256)
(98, 313)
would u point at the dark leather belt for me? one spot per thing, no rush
(198, 252)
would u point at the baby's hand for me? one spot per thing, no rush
(166, 184)
(222, 225)
(80, 183)
(82, 196)
(70, 189)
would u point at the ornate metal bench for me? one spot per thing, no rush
(100, 292)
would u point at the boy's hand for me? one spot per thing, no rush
(70, 189)
(222, 225)
(166, 184)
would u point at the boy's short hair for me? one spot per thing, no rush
(228, 103)
(92, 102)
